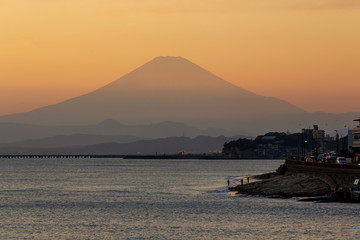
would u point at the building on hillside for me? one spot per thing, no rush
(356, 143)
(330, 143)
(312, 139)
(350, 137)
(315, 138)
(307, 141)
(319, 138)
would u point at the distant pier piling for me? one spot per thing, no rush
(55, 156)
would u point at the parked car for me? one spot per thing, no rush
(310, 159)
(329, 159)
(341, 160)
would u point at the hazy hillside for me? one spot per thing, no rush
(34, 135)
(74, 140)
(171, 145)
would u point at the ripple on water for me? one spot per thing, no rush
(157, 199)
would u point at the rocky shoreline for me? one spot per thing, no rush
(304, 182)
(283, 186)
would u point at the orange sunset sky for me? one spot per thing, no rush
(304, 51)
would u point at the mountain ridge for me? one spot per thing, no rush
(175, 89)
(169, 145)
(13, 133)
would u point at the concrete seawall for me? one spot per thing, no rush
(335, 175)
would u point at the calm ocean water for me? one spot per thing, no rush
(155, 199)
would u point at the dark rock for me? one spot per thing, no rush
(286, 187)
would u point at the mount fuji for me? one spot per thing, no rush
(177, 90)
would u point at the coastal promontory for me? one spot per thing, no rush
(286, 186)
(306, 179)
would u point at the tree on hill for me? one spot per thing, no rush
(272, 144)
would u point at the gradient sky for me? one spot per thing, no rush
(304, 51)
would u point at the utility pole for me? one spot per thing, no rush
(298, 156)
(337, 142)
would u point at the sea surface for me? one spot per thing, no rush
(156, 199)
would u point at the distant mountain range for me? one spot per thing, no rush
(160, 107)
(171, 145)
(74, 140)
(17, 134)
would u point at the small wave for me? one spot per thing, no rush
(118, 191)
